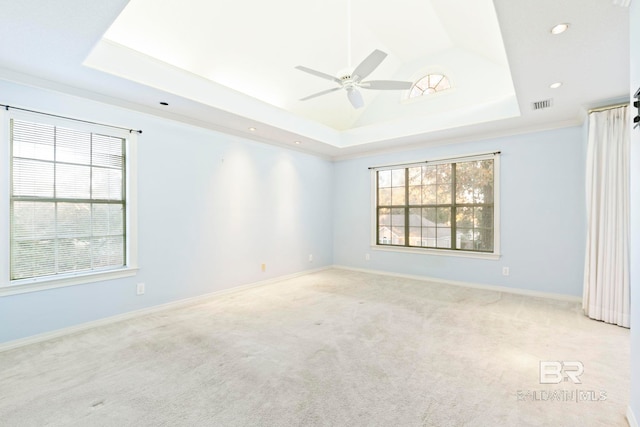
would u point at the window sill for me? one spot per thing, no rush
(439, 252)
(41, 284)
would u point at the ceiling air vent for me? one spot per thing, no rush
(540, 105)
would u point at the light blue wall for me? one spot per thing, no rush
(635, 216)
(212, 208)
(542, 211)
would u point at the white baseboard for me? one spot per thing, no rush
(10, 345)
(631, 418)
(561, 297)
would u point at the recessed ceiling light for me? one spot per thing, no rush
(297, 142)
(164, 103)
(555, 85)
(560, 28)
(252, 129)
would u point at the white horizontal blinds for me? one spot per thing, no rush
(67, 200)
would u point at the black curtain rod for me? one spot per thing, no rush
(6, 107)
(439, 160)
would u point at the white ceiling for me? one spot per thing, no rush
(228, 65)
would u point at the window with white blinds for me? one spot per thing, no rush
(67, 200)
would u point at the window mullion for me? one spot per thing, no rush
(453, 207)
(91, 258)
(125, 198)
(56, 240)
(406, 206)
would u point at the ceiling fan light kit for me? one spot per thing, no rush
(352, 82)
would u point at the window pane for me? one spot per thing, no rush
(397, 178)
(423, 83)
(106, 184)
(384, 197)
(429, 175)
(384, 179)
(74, 220)
(397, 216)
(74, 255)
(443, 84)
(429, 195)
(444, 237)
(73, 146)
(415, 236)
(107, 220)
(443, 174)
(32, 258)
(415, 175)
(464, 238)
(73, 182)
(32, 178)
(464, 218)
(384, 216)
(443, 194)
(108, 251)
(483, 217)
(415, 195)
(107, 151)
(474, 182)
(429, 237)
(415, 217)
(397, 196)
(434, 80)
(33, 220)
(443, 217)
(429, 217)
(32, 140)
(464, 183)
(397, 235)
(484, 239)
(384, 235)
(484, 183)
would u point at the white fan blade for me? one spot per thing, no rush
(386, 85)
(319, 74)
(369, 64)
(320, 93)
(355, 98)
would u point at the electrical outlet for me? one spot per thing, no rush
(140, 289)
(263, 267)
(310, 257)
(367, 257)
(505, 271)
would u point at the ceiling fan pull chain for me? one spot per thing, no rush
(349, 34)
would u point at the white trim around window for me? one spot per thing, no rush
(11, 287)
(494, 255)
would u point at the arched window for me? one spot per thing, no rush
(429, 84)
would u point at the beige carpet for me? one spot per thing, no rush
(334, 348)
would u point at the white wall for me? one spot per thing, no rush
(212, 208)
(635, 216)
(542, 211)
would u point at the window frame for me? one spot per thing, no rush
(496, 254)
(18, 286)
(424, 92)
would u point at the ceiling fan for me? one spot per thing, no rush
(351, 82)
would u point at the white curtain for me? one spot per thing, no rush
(606, 274)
